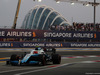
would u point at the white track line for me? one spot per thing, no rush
(43, 69)
(20, 69)
(73, 57)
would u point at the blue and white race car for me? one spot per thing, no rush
(37, 56)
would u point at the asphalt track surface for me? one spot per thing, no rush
(73, 63)
(67, 52)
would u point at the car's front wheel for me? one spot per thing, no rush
(43, 60)
(14, 59)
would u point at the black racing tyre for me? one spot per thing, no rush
(42, 59)
(56, 58)
(14, 57)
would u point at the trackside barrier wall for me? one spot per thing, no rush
(48, 44)
(47, 34)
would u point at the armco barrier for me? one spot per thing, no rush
(48, 44)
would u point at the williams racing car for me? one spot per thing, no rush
(37, 56)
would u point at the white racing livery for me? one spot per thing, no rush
(39, 56)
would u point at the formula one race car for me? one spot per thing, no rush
(36, 56)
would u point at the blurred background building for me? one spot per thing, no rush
(42, 18)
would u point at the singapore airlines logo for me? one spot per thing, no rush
(34, 34)
(95, 36)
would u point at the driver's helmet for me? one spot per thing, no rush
(38, 48)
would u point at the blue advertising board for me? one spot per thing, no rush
(49, 44)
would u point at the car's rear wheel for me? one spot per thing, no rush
(56, 58)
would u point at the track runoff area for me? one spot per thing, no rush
(85, 61)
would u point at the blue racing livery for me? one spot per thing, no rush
(36, 56)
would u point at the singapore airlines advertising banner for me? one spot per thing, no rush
(47, 34)
(48, 44)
